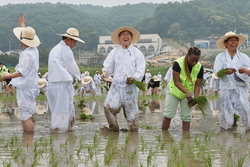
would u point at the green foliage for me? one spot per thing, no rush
(236, 119)
(84, 116)
(222, 73)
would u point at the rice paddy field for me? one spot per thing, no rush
(91, 145)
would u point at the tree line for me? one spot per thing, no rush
(185, 21)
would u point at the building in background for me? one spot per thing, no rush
(148, 43)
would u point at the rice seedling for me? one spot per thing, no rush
(108, 157)
(7, 163)
(223, 72)
(208, 159)
(16, 153)
(150, 156)
(96, 140)
(147, 127)
(241, 161)
(201, 102)
(158, 138)
(138, 84)
(81, 104)
(132, 157)
(171, 161)
(84, 116)
(143, 144)
(207, 137)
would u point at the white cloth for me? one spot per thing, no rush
(97, 79)
(88, 87)
(148, 76)
(214, 84)
(62, 69)
(60, 99)
(122, 65)
(233, 94)
(27, 84)
(28, 66)
(168, 75)
(159, 76)
(62, 66)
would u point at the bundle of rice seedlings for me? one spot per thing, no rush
(138, 84)
(223, 72)
(201, 102)
(236, 119)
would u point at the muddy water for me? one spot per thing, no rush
(87, 146)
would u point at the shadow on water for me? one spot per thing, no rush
(204, 145)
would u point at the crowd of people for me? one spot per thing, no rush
(186, 80)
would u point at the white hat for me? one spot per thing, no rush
(220, 43)
(115, 35)
(110, 79)
(40, 109)
(27, 35)
(86, 72)
(156, 78)
(41, 82)
(72, 33)
(86, 80)
(5, 73)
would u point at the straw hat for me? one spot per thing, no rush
(72, 33)
(40, 109)
(147, 69)
(27, 35)
(86, 80)
(214, 76)
(86, 72)
(134, 32)
(5, 73)
(156, 78)
(45, 75)
(41, 82)
(220, 43)
(110, 79)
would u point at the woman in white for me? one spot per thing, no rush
(88, 85)
(97, 78)
(148, 76)
(25, 77)
(234, 86)
(125, 61)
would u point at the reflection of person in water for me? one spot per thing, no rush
(154, 105)
(128, 154)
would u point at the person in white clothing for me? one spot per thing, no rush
(234, 86)
(62, 68)
(88, 85)
(168, 75)
(159, 76)
(25, 77)
(148, 76)
(126, 63)
(214, 84)
(97, 78)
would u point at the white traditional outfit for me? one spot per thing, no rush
(214, 84)
(97, 79)
(27, 87)
(148, 76)
(123, 63)
(90, 86)
(62, 68)
(168, 75)
(159, 76)
(233, 89)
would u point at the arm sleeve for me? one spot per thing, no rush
(200, 74)
(71, 65)
(176, 67)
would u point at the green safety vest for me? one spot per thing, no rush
(186, 83)
(3, 69)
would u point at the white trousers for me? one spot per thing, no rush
(60, 99)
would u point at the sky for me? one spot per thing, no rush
(105, 3)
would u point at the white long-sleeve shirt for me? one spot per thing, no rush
(124, 63)
(223, 60)
(168, 75)
(28, 66)
(62, 66)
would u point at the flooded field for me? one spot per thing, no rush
(204, 146)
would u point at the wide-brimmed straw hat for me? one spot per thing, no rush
(109, 79)
(115, 35)
(5, 73)
(214, 76)
(27, 35)
(41, 82)
(40, 109)
(220, 43)
(156, 78)
(72, 33)
(86, 80)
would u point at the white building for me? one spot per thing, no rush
(147, 43)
